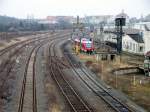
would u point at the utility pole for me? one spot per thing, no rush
(78, 29)
(101, 31)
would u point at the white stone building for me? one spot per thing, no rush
(145, 28)
(133, 43)
(147, 41)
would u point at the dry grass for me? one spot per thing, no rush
(55, 108)
(53, 101)
(137, 87)
(2, 44)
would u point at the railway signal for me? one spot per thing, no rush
(79, 27)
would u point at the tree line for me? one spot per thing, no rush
(9, 24)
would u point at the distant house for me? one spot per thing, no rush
(145, 28)
(132, 40)
(147, 41)
(133, 43)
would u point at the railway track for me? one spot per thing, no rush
(7, 66)
(19, 44)
(75, 101)
(28, 98)
(28, 101)
(98, 89)
(10, 47)
(28, 85)
(14, 51)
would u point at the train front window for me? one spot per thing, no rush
(88, 45)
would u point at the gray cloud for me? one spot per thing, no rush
(42, 8)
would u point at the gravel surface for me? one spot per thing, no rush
(86, 93)
(42, 101)
(12, 105)
(56, 101)
(49, 97)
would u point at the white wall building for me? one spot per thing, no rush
(145, 28)
(146, 37)
(110, 37)
(133, 43)
(98, 19)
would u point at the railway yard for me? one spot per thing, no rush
(123, 76)
(40, 73)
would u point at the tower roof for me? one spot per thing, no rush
(122, 15)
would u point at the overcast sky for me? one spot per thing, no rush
(43, 8)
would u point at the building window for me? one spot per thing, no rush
(133, 47)
(137, 47)
(124, 44)
(130, 46)
(127, 45)
(141, 49)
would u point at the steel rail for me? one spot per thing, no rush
(115, 103)
(21, 102)
(74, 100)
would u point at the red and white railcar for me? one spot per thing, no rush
(85, 44)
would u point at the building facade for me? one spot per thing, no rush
(132, 43)
(145, 28)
